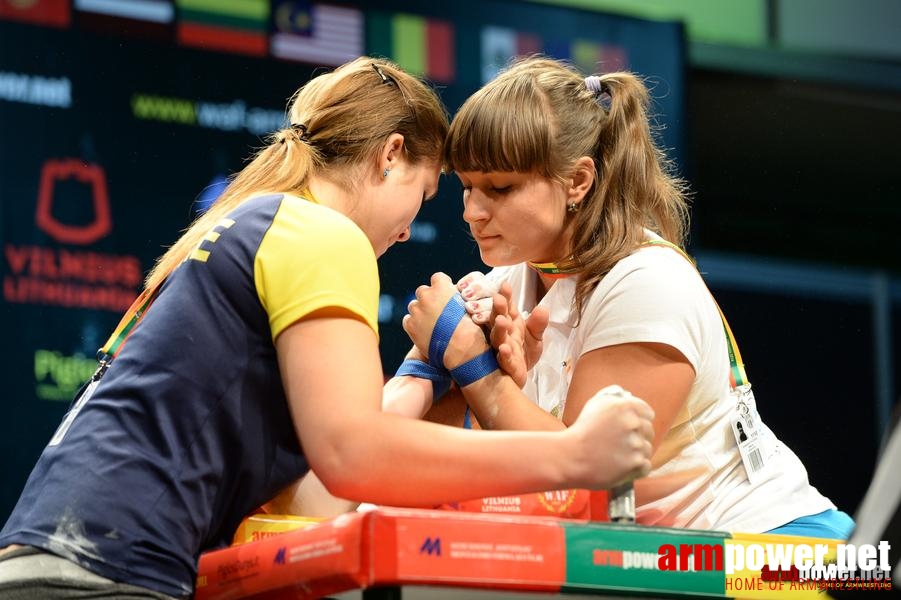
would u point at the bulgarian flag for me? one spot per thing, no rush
(420, 45)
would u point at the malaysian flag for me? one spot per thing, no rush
(321, 34)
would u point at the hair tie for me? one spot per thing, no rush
(596, 85)
(300, 130)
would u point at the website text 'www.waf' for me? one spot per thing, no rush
(224, 116)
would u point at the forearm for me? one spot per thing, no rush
(362, 453)
(498, 403)
(450, 410)
(424, 464)
(407, 396)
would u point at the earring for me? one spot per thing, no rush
(572, 207)
(385, 172)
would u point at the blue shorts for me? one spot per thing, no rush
(830, 524)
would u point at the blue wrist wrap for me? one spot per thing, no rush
(475, 368)
(469, 372)
(444, 328)
(439, 377)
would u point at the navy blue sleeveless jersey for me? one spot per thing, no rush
(190, 430)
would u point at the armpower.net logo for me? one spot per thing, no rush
(785, 566)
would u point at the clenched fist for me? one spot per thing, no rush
(612, 439)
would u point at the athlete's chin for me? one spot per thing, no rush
(496, 259)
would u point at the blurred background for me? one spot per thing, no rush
(120, 120)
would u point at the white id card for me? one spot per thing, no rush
(755, 442)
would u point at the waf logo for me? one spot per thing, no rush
(557, 501)
(92, 175)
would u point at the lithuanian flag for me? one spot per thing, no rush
(226, 25)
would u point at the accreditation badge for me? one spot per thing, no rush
(756, 443)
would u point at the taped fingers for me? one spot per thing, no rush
(476, 285)
(480, 309)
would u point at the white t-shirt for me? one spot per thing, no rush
(698, 479)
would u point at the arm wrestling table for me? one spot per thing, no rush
(391, 553)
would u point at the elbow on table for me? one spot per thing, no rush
(347, 473)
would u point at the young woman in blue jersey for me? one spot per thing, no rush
(579, 215)
(258, 360)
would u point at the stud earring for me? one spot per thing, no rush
(572, 207)
(385, 172)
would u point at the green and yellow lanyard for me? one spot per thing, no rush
(737, 375)
(113, 345)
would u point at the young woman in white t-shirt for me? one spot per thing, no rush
(577, 210)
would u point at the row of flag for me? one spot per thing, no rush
(316, 33)
(294, 30)
(322, 34)
(499, 44)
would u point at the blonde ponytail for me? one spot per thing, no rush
(338, 121)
